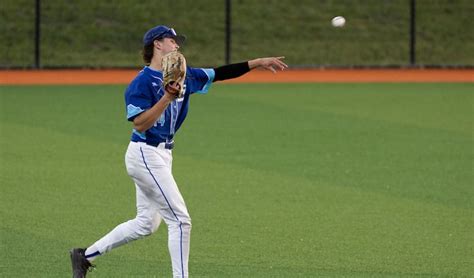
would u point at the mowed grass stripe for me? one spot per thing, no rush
(374, 153)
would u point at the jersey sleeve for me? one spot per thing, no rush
(199, 80)
(137, 100)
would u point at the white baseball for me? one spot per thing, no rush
(338, 21)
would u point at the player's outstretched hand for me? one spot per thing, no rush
(270, 63)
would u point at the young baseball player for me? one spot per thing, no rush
(157, 113)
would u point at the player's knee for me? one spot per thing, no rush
(183, 224)
(145, 226)
(186, 224)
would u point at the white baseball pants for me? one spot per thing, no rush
(158, 197)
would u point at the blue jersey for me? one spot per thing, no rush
(146, 90)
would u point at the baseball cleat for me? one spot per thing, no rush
(80, 265)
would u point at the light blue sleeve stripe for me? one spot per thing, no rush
(210, 75)
(133, 110)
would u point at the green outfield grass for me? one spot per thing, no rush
(287, 180)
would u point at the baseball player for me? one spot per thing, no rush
(157, 112)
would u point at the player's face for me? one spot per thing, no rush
(169, 45)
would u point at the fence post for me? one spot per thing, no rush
(412, 32)
(228, 23)
(37, 34)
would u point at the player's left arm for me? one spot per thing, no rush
(230, 71)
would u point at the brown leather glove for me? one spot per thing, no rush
(173, 65)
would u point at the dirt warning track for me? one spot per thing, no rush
(37, 77)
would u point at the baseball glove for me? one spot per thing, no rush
(173, 65)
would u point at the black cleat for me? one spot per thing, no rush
(80, 265)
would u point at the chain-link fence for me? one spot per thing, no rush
(105, 34)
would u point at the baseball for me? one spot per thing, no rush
(338, 21)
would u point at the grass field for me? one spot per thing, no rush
(288, 180)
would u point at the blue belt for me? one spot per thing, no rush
(168, 145)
